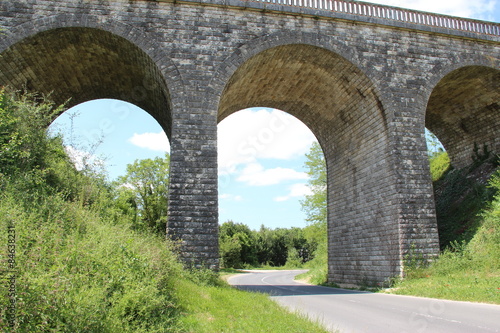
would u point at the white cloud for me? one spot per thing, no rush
(254, 174)
(296, 190)
(478, 9)
(248, 135)
(153, 141)
(230, 197)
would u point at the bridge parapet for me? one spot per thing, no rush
(370, 13)
(394, 14)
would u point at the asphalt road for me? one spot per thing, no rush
(354, 311)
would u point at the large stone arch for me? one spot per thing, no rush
(463, 107)
(80, 58)
(310, 78)
(244, 52)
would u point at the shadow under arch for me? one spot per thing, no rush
(339, 104)
(78, 59)
(463, 111)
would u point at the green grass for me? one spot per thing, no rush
(469, 286)
(79, 273)
(318, 268)
(225, 309)
(466, 270)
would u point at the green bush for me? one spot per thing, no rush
(78, 274)
(79, 266)
(439, 165)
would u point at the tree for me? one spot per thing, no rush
(314, 205)
(148, 180)
(36, 163)
(24, 143)
(237, 245)
(272, 246)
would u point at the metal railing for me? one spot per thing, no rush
(394, 14)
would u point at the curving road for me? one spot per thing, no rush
(356, 311)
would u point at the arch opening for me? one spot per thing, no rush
(262, 182)
(339, 104)
(463, 111)
(111, 132)
(124, 146)
(259, 149)
(75, 65)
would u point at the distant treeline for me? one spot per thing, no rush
(242, 247)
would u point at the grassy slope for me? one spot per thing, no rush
(78, 273)
(469, 221)
(469, 272)
(225, 309)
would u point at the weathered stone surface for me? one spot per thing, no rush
(366, 87)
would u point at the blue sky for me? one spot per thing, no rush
(261, 151)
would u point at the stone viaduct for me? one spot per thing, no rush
(366, 79)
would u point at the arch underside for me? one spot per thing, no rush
(464, 111)
(340, 105)
(75, 65)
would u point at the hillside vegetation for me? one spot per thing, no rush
(72, 258)
(468, 212)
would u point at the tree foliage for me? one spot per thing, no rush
(32, 160)
(240, 246)
(314, 205)
(24, 145)
(144, 192)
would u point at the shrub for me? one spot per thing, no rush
(79, 266)
(439, 165)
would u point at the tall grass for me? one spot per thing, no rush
(76, 272)
(466, 271)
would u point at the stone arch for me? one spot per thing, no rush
(285, 37)
(80, 58)
(305, 76)
(463, 108)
